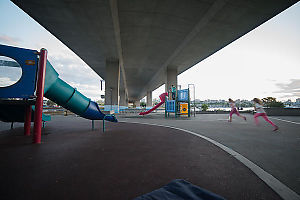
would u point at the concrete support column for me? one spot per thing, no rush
(123, 101)
(112, 84)
(149, 99)
(171, 78)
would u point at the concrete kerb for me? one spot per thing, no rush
(282, 190)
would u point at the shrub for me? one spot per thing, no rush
(204, 107)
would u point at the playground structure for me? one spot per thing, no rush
(181, 105)
(23, 101)
(162, 101)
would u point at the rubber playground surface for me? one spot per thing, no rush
(129, 159)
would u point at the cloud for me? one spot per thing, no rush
(73, 69)
(9, 40)
(9, 75)
(295, 95)
(6, 81)
(75, 72)
(91, 91)
(69, 66)
(291, 89)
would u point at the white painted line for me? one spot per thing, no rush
(212, 120)
(282, 190)
(285, 120)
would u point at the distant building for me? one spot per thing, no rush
(297, 103)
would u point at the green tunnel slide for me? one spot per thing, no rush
(68, 97)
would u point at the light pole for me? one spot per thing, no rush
(193, 85)
(110, 99)
(101, 84)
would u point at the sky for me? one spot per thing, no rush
(265, 62)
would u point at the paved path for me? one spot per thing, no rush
(278, 153)
(128, 160)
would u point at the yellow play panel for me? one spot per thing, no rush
(184, 109)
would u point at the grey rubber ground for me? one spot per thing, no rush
(277, 153)
(281, 189)
(128, 160)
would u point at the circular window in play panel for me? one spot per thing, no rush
(10, 71)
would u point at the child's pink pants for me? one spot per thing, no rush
(234, 110)
(263, 115)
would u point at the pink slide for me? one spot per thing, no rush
(162, 100)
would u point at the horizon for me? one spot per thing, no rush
(237, 100)
(264, 62)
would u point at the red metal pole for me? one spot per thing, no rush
(37, 130)
(27, 122)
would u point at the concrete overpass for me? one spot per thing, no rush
(139, 45)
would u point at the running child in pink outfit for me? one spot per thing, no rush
(258, 106)
(234, 110)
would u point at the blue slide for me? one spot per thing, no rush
(68, 97)
(55, 89)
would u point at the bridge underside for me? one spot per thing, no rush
(147, 38)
